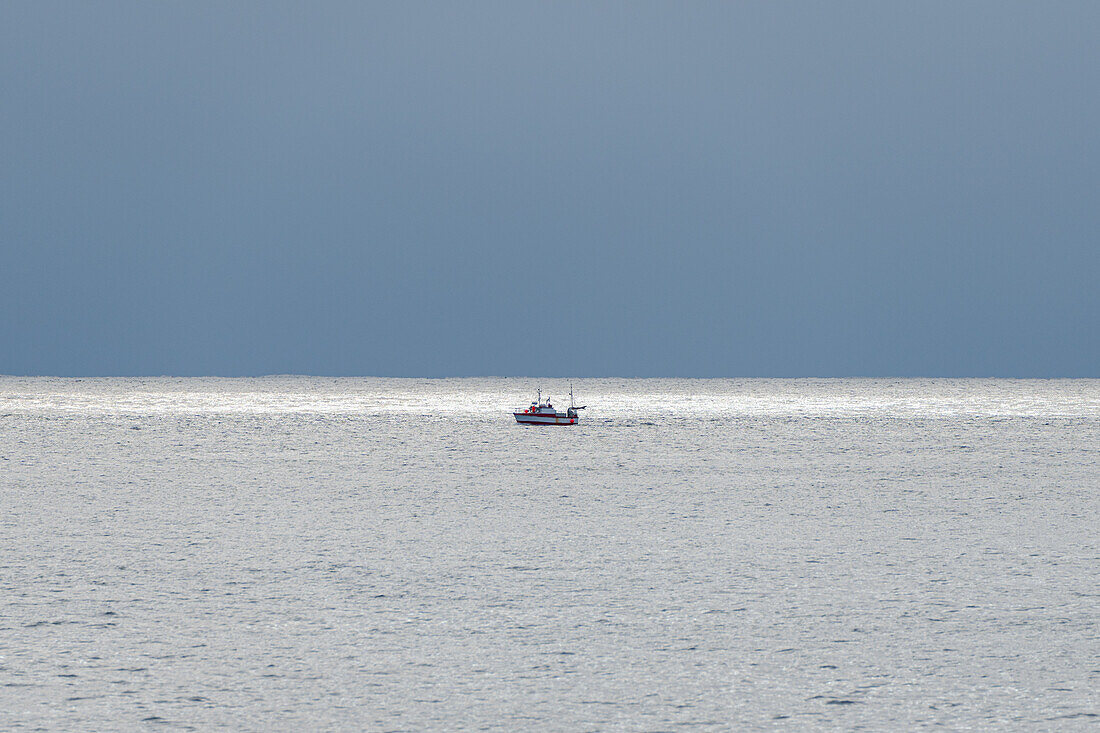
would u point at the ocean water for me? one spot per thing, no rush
(297, 553)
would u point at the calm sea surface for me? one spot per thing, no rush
(300, 553)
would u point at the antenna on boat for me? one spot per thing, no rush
(572, 404)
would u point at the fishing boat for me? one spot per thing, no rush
(543, 413)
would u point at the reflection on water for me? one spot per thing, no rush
(399, 554)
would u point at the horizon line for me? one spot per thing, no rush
(543, 376)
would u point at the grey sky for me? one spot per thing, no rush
(665, 189)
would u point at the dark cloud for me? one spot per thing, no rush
(707, 189)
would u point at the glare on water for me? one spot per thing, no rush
(399, 554)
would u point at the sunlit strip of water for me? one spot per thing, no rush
(605, 398)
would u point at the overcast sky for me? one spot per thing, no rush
(583, 189)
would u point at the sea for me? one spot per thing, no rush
(300, 553)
